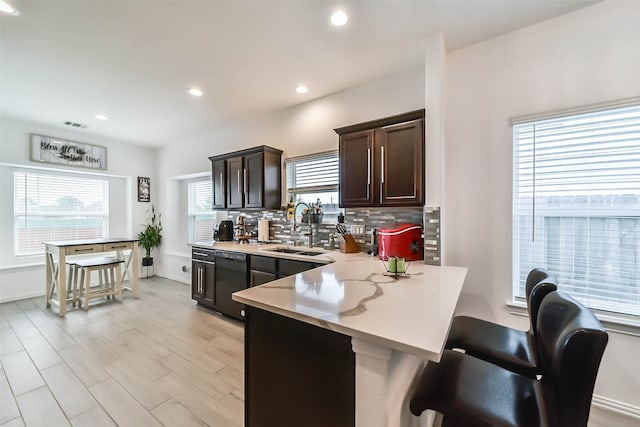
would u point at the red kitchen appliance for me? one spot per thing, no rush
(403, 242)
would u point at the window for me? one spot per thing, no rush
(314, 178)
(576, 205)
(202, 218)
(50, 207)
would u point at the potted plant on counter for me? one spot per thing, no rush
(150, 237)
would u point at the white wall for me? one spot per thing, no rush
(22, 277)
(585, 57)
(306, 128)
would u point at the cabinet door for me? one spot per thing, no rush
(253, 180)
(356, 169)
(235, 185)
(259, 277)
(288, 267)
(297, 374)
(401, 164)
(218, 175)
(197, 287)
(209, 294)
(203, 278)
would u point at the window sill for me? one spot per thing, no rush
(618, 323)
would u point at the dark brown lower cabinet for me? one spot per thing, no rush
(296, 374)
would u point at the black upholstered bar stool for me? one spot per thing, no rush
(470, 392)
(507, 347)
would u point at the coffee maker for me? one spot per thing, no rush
(224, 233)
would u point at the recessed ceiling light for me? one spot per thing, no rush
(302, 89)
(195, 92)
(5, 7)
(101, 117)
(339, 18)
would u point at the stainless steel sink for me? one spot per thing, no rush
(295, 251)
(284, 250)
(310, 253)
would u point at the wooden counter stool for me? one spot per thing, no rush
(109, 279)
(72, 282)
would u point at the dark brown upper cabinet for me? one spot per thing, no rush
(247, 179)
(382, 162)
(219, 176)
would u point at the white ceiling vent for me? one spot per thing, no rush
(75, 124)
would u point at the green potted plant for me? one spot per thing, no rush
(150, 237)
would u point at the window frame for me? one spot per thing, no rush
(613, 314)
(192, 214)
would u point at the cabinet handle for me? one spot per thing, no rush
(382, 164)
(381, 172)
(200, 253)
(238, 181)
(244, 173)
(202, 280)
(368, 171)
(221, 186)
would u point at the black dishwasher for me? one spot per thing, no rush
(231, 276)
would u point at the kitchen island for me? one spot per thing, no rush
(356, 336)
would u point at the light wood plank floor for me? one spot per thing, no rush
(157, 360)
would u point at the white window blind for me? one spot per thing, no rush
(314, 178)
(576, 205)
(50, 207)
(201, 214)
(317, 172)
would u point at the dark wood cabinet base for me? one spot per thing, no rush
(296, 374)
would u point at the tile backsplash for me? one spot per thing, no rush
(364, 219)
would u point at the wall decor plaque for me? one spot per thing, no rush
(59, 151)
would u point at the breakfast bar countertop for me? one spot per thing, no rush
(354, 297)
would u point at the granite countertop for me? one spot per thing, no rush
(352, 295)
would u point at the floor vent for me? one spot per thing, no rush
(75, 124)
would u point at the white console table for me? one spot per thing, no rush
(55, 264)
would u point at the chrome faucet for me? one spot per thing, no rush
(310, 233)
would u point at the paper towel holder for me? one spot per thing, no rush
(263, 230)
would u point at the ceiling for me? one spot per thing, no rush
(134, 60)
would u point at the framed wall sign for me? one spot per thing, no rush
(144, 189)
(59, 151)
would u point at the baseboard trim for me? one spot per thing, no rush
(629, 411)
(22, 296)
(176, 278)
(22, 267)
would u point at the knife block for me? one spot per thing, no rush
(349, 245)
